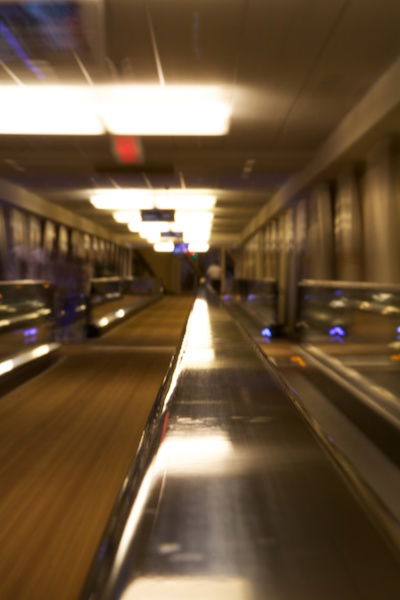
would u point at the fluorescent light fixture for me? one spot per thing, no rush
(135, 199)
(132, 216)
(199, 247)
(185, 200)
(152, 227)
(196, 237)
(193, 218)
(164, 110)
(121, 200)
(121, 109)
(152, 238)
(164, 247)
(48, 110)
(194, 228)
(197, 226)
(134, 226)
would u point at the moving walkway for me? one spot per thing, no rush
(232, 494)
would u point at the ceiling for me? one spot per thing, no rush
(294, 67)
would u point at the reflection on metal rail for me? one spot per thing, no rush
(229, 488)
(104, 563)
(363, 285)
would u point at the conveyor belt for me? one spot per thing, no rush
(153, 327)
(105, 308)
(14, 341)
(67, 439)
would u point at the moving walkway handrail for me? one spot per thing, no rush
(378, 398)
(106, 279)
(216, 504)
(25, 282)
(152, 436)
(25, 300)
(362, 285)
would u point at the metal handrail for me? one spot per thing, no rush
(25, 282)
(106, 279)
(262, 279)
(103, 563)
(362, 285)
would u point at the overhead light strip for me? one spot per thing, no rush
(193, 224)
(125, 200)
(48, 110)
(164, 110)
(119, 109)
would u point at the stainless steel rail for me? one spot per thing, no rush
(356, 285)
(374, 396)
(107, 279)
(25, 282)
(231, 495)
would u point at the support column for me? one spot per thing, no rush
(125, 262)
(252, 256)
(130, 263)
(381, 217)
(348, 242)
(286, 238)
(250, 269)
(259, 254)
(222, 255)
(245, 260)
(239, 263)
(274, 249)
(320, 234)
(3, 245)
(296, 267)
(267, 258)
(300, 238)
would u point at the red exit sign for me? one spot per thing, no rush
(127, 149)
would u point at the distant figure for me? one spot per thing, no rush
(214, 275)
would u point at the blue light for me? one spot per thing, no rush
(398, 329)
(181, 248)
(339, 331)
(266, 332)
(19, 51)
(30, 332)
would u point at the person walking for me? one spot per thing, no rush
(214, 276)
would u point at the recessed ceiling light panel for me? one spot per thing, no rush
(145, 199)
(48, 110)
(120, 109)
(164, 110)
